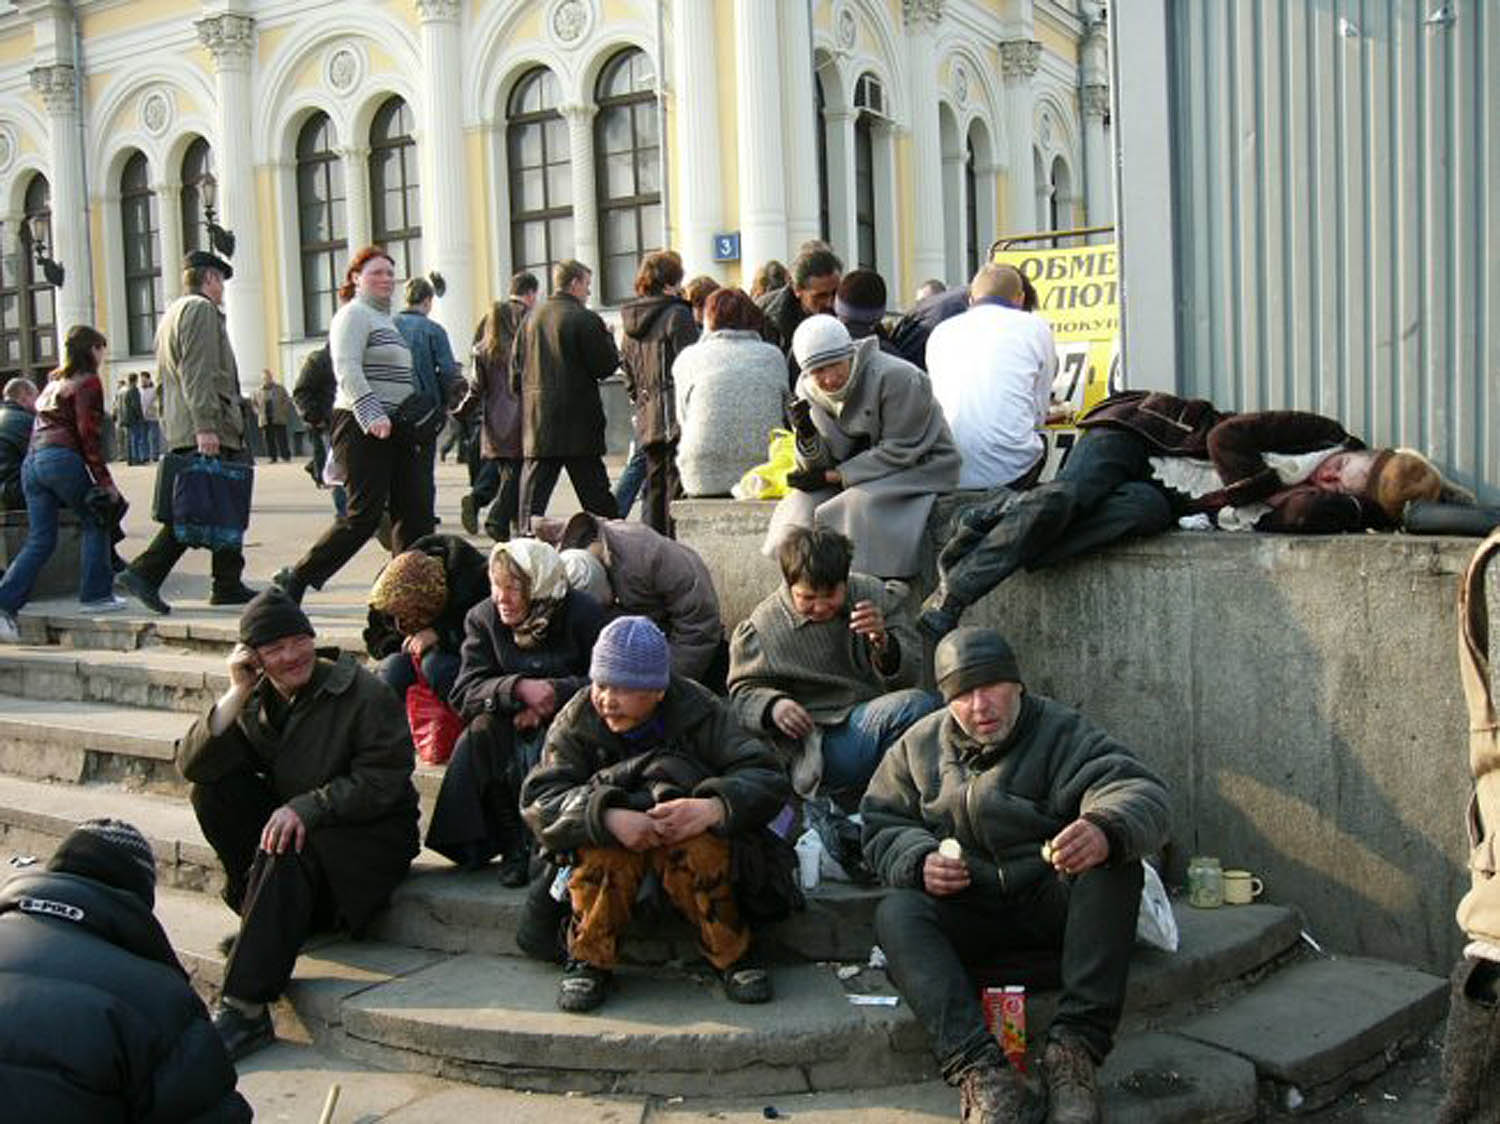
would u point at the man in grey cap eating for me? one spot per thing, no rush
(1007, 822)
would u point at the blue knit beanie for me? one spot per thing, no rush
(631, 652)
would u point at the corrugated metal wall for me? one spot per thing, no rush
(1338, 168)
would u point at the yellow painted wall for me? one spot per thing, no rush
(528, 27)
(729, 148)
(479, 221)
(382, 61)
(101, 287)
(268, 41)
(270, 256)
(16, 47)
(622, 10)
(1057, 43)
(137, 13)
(406, 12)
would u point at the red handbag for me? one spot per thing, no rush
(435, 725)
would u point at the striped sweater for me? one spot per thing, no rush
(371, 362)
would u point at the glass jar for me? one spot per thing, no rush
(1205, 879)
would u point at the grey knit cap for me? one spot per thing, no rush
(973, 657)
(631, 652)
(820, 340)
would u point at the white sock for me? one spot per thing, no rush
(245, 1007)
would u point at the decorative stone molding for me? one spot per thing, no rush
(1019, 58)
(845, 28)
(569, 21)
(229, 38)
(443, 10)
(960, 82)
(343, 68)
(578, 112)
(1094, 101)
(917, 14)
(1044, 129)
(7, 146)
(157, 112)
(58, 85)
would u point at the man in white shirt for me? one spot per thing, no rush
(992, 369)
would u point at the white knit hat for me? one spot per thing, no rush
(820, 340)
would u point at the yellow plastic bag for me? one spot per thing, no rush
(768, 481)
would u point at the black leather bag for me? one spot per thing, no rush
(418, 420)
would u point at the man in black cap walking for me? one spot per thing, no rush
(97, 1018)
(1007, 821)
(301, 777)
(199, 402)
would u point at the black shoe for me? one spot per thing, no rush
(582, 987)
(939, 620)
(227, 942)
(312, 470)
(288, 582)
(747, 981)
(128, 581)
(238, 595)
(241, 1034)
(468, 514)
(515, 868)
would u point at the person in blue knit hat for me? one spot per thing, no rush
(650, 771)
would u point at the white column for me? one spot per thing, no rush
(447, 228)
(359, 228)
(956, 223)
(801, 123)
(70, 212)
(169, 215)
(843, 229)
(1018, 63)
(926, 141)
(1098, 170)
(231, 41)
(884, 134)
(700, 172)
(763, 226)
(585, 202)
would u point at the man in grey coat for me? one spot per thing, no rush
(200, 410)
(873, 450)
(1009, 822)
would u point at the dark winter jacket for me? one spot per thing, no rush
(701, 751)
(1002, 802)
(342, 760)
(909, 336)
(467, 575)
(783, 312)
(493, 663)
(15, 439)
(657, 329)
(316, 385)
(563, 352)
(98, 1022)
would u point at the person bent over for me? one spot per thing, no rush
(301, 776)
(649, 771)
(1050, 815)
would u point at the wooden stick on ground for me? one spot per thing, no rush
(329, 1104)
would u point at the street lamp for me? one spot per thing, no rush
(51, 269)
(220, 239)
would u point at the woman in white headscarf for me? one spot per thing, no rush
(525, 652)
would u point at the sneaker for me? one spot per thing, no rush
(241, 1034)
(990, 1094)
(468, 514)
(110, 604)
(128, 581)
(294, 587)
(747, 981)
(10, 632)
(582, 987)
(1072, 1089)
(241, 594)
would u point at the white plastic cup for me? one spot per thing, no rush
(809, 856)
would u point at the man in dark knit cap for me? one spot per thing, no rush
(301, 778)
(97, 1019)
(1008, 822)
(650, 771)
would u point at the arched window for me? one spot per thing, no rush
(394, 192)
(320, 220)
(28, 315)
(971, 209)
(140, 222)
(197, 162)
(869, 101)
(627, 151)
(541, 175)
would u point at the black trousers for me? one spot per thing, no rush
(392, 474)
(499, 479)
(276, 444)
(587, 475)
(1102, 494)
(478, 812)
(933, 945)
(281, 899)
(156, 562)
(657, 488)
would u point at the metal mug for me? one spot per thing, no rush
(1241, 887)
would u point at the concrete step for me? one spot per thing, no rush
(167, 679)
(1321, 1026)
(197, 627)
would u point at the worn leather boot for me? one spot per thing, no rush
(1072, 1090)
(990, 1094)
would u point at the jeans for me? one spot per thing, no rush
(934, 945)
(439, 668)
(52, 478)
(628, 486)
(140, 450)
(853, 748)
(153, 440)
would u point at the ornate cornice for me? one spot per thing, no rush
(445, 10)
(58, 85)
(921, 13)
(229, 38)
(1094, 100)
(1019, 58)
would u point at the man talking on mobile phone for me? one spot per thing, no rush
(301, 776)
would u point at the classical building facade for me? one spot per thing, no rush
(479, 137)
